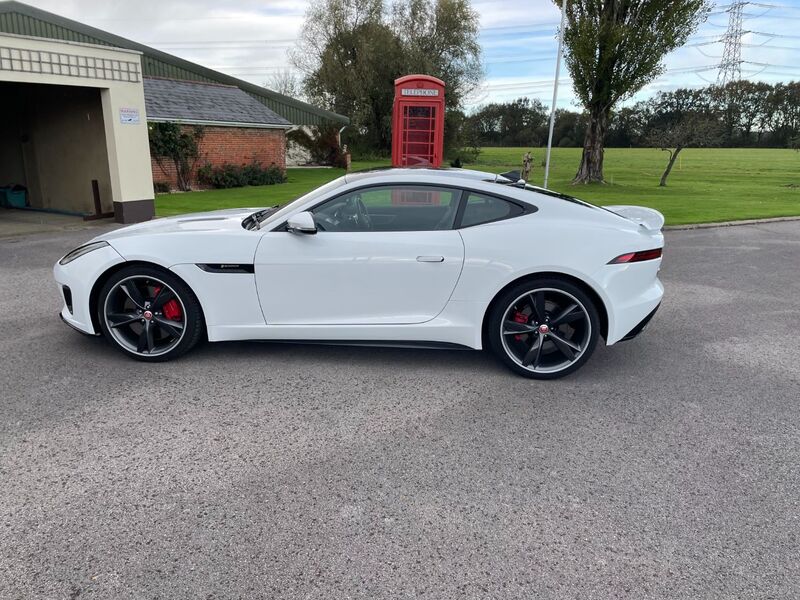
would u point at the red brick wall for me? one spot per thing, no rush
(235, 145)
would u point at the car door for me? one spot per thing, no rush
(382, 255)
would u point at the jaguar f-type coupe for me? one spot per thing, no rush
(397, 257)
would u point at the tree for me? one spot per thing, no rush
(484, 124)
(351, 51)
(440, 38)
(286, 82)
(345, 51)
(679, 120)
(690, 129)
(626, 126)
(761, 115)
(171, 142)
(569, 129)
(521, 122)
(752, 97)
(786, 120)
(613, 49)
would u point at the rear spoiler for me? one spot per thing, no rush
(650, 219)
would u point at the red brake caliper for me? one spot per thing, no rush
(520, 317)
(171, 309)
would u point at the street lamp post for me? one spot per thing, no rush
(555, 92)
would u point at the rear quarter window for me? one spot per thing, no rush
(480, 208)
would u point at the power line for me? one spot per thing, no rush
(771, 47)
(248, 17)
(215, 45)
(775, 35)
(781, 17)
(529, 26)
(500, 29)
(771, 65)
(760, 5)
(544, 83)
(224, 43)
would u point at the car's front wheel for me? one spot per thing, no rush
(149, 313)
(544, 328)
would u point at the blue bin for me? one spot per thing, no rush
(16, 197)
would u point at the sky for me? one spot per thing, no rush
(249, 39)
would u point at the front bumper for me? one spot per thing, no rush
(80, 276)
(81, 331)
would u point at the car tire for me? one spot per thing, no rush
(547, 346)
(149, 314)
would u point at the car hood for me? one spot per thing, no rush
(218, 220)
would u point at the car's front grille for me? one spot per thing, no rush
(67, 297)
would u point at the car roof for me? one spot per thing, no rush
(444, 173)
(510, 181)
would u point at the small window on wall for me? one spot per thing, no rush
(390, 208)
(485, 209)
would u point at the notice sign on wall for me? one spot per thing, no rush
(129, 116)
(418, 92)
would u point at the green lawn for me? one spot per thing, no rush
(706, 185)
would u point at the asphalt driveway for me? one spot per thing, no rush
(668, 467)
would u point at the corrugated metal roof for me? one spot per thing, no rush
(195, 102)
(21, 19)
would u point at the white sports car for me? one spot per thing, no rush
(438, 258)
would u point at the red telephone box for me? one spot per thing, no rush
(418, 121)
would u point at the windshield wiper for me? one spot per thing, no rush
(262, 215)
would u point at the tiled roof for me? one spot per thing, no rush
(191, 101)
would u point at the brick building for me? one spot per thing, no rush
(237, 129)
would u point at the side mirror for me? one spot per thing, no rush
(301, 223)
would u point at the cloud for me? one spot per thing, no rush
(249, 39)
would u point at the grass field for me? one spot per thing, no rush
(707, 185)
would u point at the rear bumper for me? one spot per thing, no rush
(640, 326)
(630, 293)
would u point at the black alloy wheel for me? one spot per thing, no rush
(149, 314)
(544, 329)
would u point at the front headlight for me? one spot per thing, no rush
(80, 251)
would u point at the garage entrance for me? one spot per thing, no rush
(73, 130)
(53, 143)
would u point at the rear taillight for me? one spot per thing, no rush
(631, 257)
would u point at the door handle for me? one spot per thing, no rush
(430, 259)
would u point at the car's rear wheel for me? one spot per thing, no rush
(544, 328)
(149, 314)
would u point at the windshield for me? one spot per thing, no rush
(277, 215)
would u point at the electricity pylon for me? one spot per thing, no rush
(730, 69)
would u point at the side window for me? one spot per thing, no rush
(390, 208)
(484, 209)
